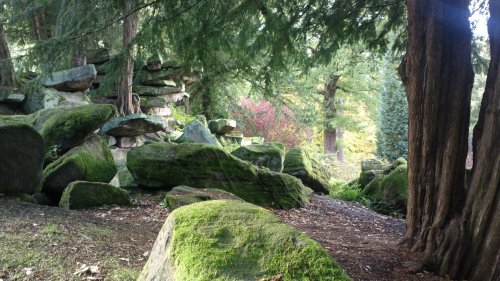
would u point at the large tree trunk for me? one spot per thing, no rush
(330, 130)
(7, 76)
(458, 228)
(124, 100)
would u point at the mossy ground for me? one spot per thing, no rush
(231, 240)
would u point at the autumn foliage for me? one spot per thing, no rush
(265, 120)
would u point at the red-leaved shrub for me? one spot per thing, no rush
(261, 119)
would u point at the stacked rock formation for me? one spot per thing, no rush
(157, 84)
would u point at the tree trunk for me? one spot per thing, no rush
(78, 58)
(39, 25)
(471, 249)
(340, 133)
(330, 131)
(458, 228)
(7, 75)
(124, 100)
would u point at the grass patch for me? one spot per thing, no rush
(51, 228)
(343, 191)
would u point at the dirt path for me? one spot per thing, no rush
(363, 242)
(46, 243)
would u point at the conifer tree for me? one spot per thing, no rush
(392, 121)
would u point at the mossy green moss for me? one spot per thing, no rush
(392, 189)
(231, 240)
(299, 164)
(262, 155)
(92, 161)
(184, 195)
(162, 166)
(67, 127)
(82, 195)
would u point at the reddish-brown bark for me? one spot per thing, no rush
(458, 228)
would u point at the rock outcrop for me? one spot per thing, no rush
(22, 152)
(91, 161)
(133, 125)
(77, 79)
(392, 188)
(221, 126)
(299, 164)
(162, 166)
(262, 155)
(83, 195)
(232, 240)
(195, 132)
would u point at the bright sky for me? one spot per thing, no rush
(480, 19)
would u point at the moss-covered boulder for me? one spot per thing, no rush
(392, 189)
(299, 164)
(184, 195)
(366, 177)
(22, 153)
(196, 132)
(231, 240)
(41, 98)
(162, 166)
(262, 155)
(68, 127)
(83, 194)
(91, 161)
(372, 164)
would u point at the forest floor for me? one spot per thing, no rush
(112, 243)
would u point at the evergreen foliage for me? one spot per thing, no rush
(392, 124)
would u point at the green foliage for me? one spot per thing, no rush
(392, 125)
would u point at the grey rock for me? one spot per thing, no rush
(76, 79)
(195, 132)
(221, 126)
(41, 98)
(133, 125)
(22, 151)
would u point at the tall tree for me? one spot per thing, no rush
(130, 21)
(329, 104)
(458, 228)
(7, 76)
(392, 120)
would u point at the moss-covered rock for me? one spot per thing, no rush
(92, 161)
(162, 166)
(299, 164)
(231, 240)
(391, 189)
(372, 164)
(83, 194)
(366, 177)
(68, 127)
(184, 195)
(262, 155)
(196, 132)
(22, 153)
